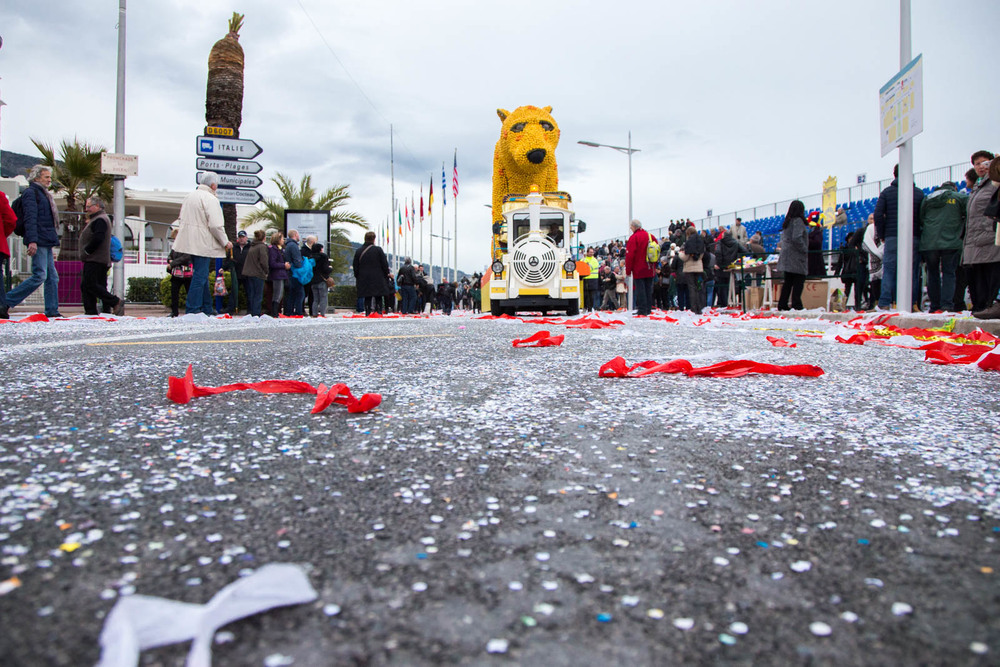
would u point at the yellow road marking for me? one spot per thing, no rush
(410, 336)
(182, 342)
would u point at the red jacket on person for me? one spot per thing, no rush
(635, 256)
(7, 220)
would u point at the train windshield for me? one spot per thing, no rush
(553, 226)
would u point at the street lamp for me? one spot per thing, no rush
(628, 150)
(621, 149)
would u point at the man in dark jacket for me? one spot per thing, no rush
(886, 217)
(942, 223)
(727, 250)
(234, 264)
(295, 296)
(370, 270)
(95, 240)
(40, 236)
(407, 281)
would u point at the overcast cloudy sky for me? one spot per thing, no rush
(732, 103)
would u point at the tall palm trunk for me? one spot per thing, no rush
(224, 95)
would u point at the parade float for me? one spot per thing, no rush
(534, 228)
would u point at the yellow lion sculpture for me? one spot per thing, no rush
(525, 154)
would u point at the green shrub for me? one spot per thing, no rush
(182, 296)
(344, 296)
(142, 290)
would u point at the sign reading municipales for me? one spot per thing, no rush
(901, 106)
(228, 196)
(234, 180)
(119, 164)
(245, 149)
(230, 166)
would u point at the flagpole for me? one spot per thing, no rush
(454, 196)
(430, 225)
(392, 179)
(444, 203)
(421, 223)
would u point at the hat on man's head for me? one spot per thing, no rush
(242, 234)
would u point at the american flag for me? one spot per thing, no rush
(454, 178)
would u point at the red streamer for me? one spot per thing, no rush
(540, 339)
(780, 342)
(618, 367)
(182, 390)
(37, 317)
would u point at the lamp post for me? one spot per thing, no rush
(628, 150)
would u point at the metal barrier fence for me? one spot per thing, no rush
(848, 195)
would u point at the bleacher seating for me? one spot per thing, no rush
(857, 216)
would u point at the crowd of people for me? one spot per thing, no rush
(956, 243)
(378, 288)
(284, 275)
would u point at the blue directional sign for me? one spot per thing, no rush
(225, 147)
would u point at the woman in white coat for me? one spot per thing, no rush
(202, 235)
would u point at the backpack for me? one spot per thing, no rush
(116, 249)
(652, 250)
(18, 207)
(304, 274)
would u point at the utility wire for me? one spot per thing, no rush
(355, 81)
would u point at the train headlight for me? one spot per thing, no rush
(497, 267)
(569, 266)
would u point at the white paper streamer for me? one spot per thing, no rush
(140, 622)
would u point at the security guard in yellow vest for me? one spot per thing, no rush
(590, 283)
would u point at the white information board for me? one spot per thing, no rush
(901, 106)
(310, 223)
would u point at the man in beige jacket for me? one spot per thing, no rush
(202, 235)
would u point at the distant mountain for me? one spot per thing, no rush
(16, 164)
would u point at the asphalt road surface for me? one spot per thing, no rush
(502, 505)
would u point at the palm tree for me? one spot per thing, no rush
(77, 172)
(224, 94)
(304, 198)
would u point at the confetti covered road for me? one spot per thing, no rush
(503, 505)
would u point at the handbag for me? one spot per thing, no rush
(183, 271)
(220, 285)
(329, 282)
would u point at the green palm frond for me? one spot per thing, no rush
(303, 197)
(77, 171)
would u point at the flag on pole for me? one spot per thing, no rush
(430, 200)
(421, 203)
(413, 211)
(409, 227)
(444, 187)
(399, 212)
(454, 178)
